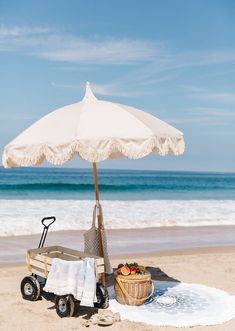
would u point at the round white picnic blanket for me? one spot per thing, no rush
(180, 305)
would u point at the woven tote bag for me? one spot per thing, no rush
(92, 242)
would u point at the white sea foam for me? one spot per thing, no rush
(18, 217)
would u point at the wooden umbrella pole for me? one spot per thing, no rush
(97, 196)
(99, 214)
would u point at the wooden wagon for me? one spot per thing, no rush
(39, 263)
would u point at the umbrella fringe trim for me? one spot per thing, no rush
(59, 154)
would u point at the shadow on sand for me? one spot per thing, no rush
(86, 312)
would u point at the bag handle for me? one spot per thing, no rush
(97, 209)
(101, 216)
(94, 217)
(129, 296)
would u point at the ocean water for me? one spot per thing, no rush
(130, 199)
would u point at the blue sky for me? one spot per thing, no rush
(174, 59)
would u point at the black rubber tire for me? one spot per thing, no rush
(64, 305)
(102, 297)
(30, 288)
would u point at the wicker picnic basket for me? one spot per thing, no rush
(133, 290)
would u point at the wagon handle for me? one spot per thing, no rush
(47, 219)
(45, 229)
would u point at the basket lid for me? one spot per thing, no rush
(146, 276)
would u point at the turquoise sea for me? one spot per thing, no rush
(62, 183)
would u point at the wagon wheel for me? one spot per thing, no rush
(30, 288)
(102, 297)
(64, 305)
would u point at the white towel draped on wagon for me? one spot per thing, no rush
(73, 277)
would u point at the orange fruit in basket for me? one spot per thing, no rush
(125, 270)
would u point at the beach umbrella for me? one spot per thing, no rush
(95, 130)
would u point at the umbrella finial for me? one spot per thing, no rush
(89, 96)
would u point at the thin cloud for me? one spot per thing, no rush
(155, 81)
(58, 46)
(61, 47)
(204, 116)
(217, 97)
(19, 31)
(75, 68)
(202, 58)
(213, 111)
(167, 65)
(116, 90)
(211, 96)
(171, 61)
(69, 86)
(205, 120)
(103, 89)
(99, 51)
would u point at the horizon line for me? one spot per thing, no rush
(121, 169)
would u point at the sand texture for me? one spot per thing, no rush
(213, 267)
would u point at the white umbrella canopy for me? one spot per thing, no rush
(95, 130)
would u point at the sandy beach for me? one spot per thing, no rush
(211, 266)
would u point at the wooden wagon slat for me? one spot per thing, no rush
(60, 250)
(64, 256)
(41, 263)
(78, 253)
(38, 271)
(43, 250)
(39, 260)
(42, 258)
